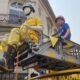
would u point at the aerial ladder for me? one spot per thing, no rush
(55, 54)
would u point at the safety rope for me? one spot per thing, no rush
(16, 68)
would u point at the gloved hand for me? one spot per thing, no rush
(62, 37)
(35, 47)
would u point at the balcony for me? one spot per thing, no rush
(11, 20)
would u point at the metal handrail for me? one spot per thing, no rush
(74, 51)
(56, 74)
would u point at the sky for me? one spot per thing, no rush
(70, 9)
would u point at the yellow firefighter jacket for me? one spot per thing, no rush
(18, 35)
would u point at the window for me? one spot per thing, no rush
(40, 11)
(16, 12)
(49, 25)
(16, 9)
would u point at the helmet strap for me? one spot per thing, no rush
(32, 10)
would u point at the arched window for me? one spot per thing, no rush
(16, 11)
(17, 5)
(16, 8)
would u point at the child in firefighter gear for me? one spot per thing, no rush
(63, 28)
(19, 35)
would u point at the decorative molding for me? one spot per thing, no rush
(46, 10)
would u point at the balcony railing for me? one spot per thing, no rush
(11, 19)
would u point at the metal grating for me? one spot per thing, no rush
(11, 76)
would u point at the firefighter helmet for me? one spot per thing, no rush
(28, 5)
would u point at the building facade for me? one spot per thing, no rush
(11, 15)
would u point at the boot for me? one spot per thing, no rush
(2, 62)
(10, 57)
(34, 74)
